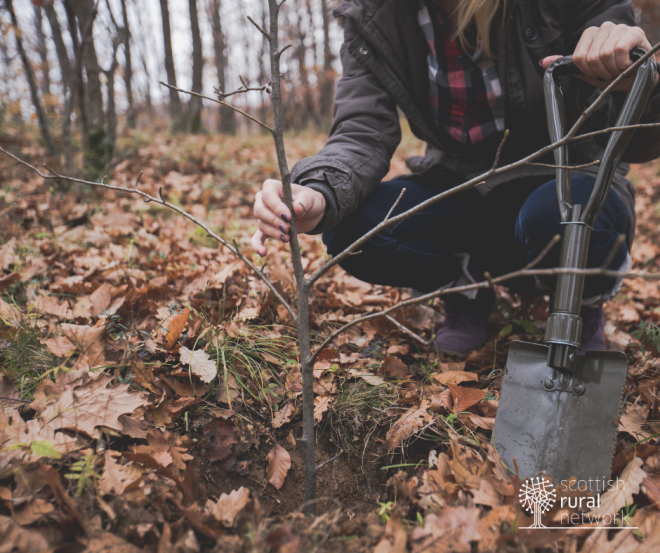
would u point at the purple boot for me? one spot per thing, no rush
(465, 326)
(593, 329)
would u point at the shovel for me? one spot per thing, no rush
(558, 411)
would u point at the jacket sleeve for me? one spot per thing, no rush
(364, 135)
(645, 144)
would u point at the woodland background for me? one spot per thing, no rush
(111, 436)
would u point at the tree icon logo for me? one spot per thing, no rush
(537, 496)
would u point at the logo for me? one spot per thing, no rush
(537, 496)
(580, 504)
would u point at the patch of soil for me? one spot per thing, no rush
(348, 483)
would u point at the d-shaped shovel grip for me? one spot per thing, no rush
(564, 329)
(630, 115)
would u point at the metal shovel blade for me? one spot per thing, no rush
(558, 431)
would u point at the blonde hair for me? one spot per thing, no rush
(482, 12)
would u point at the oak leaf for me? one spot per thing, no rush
(454, 377)
(624, 488)
(455, 526)
(117, 478)
(92, 404)
(279, 463)
(393, 366)
(321, 405)
(395, 538)
(228, 506)
(200, 362)
(283, 415)
(60, 346)
(89, 342)
(411, 421)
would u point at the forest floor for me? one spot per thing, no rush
(115, 435)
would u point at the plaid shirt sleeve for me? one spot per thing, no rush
(464, 91)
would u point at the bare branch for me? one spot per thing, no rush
(479, 286)
(324, 463)
(407, 331)
(149, 198)
(254, 119)
(500, 148)
(258, 27)
(545, 251)
(403, 191)
(245, 88)
(615, 248)
(606, 92)
(551, 166)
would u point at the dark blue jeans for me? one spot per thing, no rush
(501, 232)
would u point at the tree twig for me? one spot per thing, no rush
(324, 463)
(403, 191)
(500, 148)
(254, 119)
(407, 331)
(550, 165)
(478, 286)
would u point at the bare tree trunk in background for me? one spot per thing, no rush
(144, 37)
(43, 51)
(128, 69)
(176, 109)
(67, 82)
(32, 82)
(327, 81)
(227, 121)
(97, 146)
(194, 118)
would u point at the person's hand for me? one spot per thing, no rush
(603, 53)
(274, 216)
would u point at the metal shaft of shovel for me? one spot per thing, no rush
(564, 328)
(558, 410)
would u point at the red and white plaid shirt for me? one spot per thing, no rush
(465, 92)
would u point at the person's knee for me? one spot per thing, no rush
(539, 219)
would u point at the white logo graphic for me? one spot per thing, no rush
(537, 496)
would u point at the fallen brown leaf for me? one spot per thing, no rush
(622, 494)
(411, 421)
(83, 408)
(454, 377)
(228, 506)
(464, 398)
(200, 362)
(279, 463)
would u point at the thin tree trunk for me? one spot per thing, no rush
(176, 108)
(43, 50)
(128, 69)
(263, 108)
(144, 37)
(67, 82)
(227, 120)
(32, 82)
(327, 80)
(194, 119)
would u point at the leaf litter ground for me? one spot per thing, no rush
(150, 391)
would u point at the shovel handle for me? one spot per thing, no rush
(630, 115)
